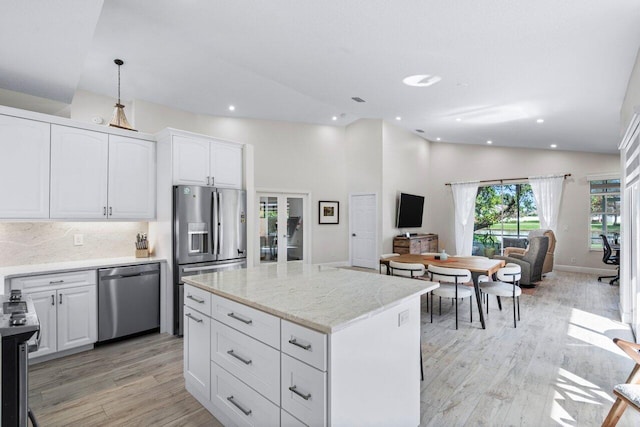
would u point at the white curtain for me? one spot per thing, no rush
(547, 190)
(464, 204)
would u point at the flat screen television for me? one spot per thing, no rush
(410, 208)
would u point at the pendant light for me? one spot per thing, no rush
(119, 120)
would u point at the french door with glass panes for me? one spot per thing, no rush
(281, 227)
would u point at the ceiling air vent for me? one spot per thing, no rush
(357, 99)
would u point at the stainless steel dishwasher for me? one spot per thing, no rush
(128, 300)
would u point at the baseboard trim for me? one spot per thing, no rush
(589, 270)
(336, 264)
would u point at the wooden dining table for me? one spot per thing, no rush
(476, 265)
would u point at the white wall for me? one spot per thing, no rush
(460, 162)
(363, 148)
(287, 156)
(632, 97)
(405, 169)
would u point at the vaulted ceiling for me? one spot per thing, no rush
(503, 65)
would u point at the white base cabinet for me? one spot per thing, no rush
(67, 308)
(367, 373)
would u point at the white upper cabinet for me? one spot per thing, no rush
(79, 167)
(200, 161)
(190, 161)
(132, 172)
(24, 168)
(226, 165)
(99, 176)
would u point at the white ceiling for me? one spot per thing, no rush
(503, 63)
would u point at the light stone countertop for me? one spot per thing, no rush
(62, 267)
(322, 298)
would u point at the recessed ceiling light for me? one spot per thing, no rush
(419, 131)
(553, 146)
(540, 121)
(421, 80)
(334, 118)
(232, 108)
(357, 99)
(489, 142)
(458, 119)
(398, 118)
(437, 139)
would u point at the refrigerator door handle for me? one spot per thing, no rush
(220, 221)
(214, 223)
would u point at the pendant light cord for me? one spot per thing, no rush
(118, 83)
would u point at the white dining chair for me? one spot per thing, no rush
(383, 266)
(506, 286)
(406, 269)
(451, 286)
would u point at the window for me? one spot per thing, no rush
(504, 216)
(605, 211)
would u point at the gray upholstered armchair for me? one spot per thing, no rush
(547, 267)
(531, 261)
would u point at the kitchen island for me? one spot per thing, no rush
(299, 344)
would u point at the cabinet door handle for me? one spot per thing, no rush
(198, 300)
(110, 210)
(304, 396)
(213, 181)
(60, 298)
(242, 359)
(104, 211)
(53, 282)
(243, 320)
(210, 184)
(302, 346)
(53, 300)
(191, 316)
(237, 405)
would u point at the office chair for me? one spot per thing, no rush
(609, 258)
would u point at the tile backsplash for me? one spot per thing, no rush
(44, 242)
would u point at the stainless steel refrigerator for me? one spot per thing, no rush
(209, 235)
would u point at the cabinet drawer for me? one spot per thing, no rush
(197, 299)
(57, 280)
(402, 242)
(252, 361)
(304, 391)
(257, 324)
(288, 420)
(243, 405)
(304, 344)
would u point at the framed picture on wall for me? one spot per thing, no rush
(328, 212)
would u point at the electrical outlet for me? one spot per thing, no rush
(403, 317)
(78, 239)
(573, 260)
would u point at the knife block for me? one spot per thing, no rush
(142, 253)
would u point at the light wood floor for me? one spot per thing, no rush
(557, 368)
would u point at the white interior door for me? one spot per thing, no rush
(363, 225)
(282, 230)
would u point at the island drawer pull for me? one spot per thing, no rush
(304, 396)
(198, 300)
(302, 346)
(237, 405)
(243, 320)
(53, 282)
(190, 316)
(242, 359)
